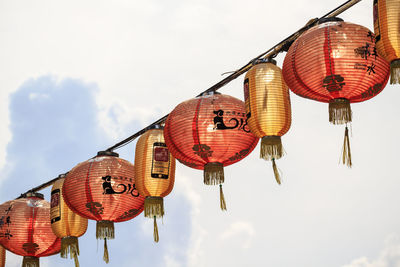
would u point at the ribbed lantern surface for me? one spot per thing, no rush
(26, 229)
(2, 256)
(268, 108)
(103, 189)
(387, 32)
(66, 224)
(209, 132)
(154, 173)
(335, 60)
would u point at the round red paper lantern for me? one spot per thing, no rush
(208, 133)
(103, 189)
(336, 62)
(26, 229)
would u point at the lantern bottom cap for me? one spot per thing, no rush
(213, 173)
(153, 207)
(340, 111)
(29, 261)
(105, 230)
(395, 71)
(271, 147)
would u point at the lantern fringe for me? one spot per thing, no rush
(395, 72)
(276, 172)
(340, 111)
(155, 234)
(222, 198)
(271, 148)
(213, 173)
(346, 152)
(105, 255)
(105, 229)
(30, 262)
(153, 207)
(70, 245)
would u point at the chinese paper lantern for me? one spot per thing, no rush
(268, 108)
(66, 224)
(387, 34)
(336, 62)
(103, 189)
(2, 256)
(26, 229)
(208, 133)
(154, 173)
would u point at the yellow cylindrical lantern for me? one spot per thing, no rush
(65, 223)
(387, 34)
(154, 172)
(268, 108)
(2, 256)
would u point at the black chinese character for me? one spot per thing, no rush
(333, 83)
(371, 68)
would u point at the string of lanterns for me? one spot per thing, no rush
(328, 60)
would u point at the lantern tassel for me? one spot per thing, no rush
(155, 234)
(30, 262)
(153, 206)
(105, 229)
(346, 153)
(105, 256)
(276, 172)
(222, 198)
(271, 148)
(69, 245)
(395, 72)
(340, 111)
(75, 256)
(213, 173)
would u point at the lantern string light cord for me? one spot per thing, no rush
(282, 46)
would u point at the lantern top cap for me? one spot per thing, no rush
(107, 153)
(156, 126)
(264, 60)
(34, 194)
(210, 93)
(323, 20)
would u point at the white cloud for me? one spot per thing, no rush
(388, 257)
(238, 229)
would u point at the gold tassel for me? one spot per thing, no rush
(340, 111)
(30, 262)
(105, 256)
(105, 229)
(395, 72)
(153, 206)
(222, 198)
(75, 256)
(271, 147)
(276, 172)
(69, 245)
(213, 173)
(155, 234)
(346, 153)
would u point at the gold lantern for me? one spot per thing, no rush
(387, 34)
(154, 172)
(268, 109)
(2, 256)
(65, 223)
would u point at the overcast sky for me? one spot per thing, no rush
(78, 76)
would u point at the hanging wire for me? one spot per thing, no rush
(282, 46)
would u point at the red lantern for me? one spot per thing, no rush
(27, 230)
(103, 189)
(336, 62)
(209, 132)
